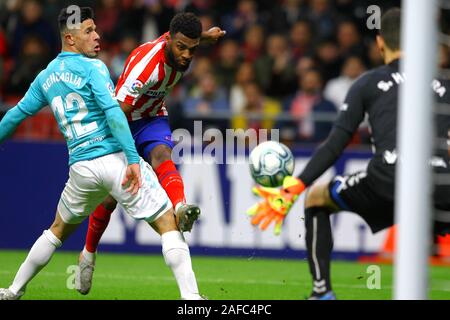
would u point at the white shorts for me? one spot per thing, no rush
(91, 181)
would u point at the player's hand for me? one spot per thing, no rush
(212, 35)
(276, 203)
(132, 178)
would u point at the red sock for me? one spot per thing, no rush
(171, 181)
(98, 221)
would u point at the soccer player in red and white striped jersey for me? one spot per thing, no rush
(147, 79)
(149, 74)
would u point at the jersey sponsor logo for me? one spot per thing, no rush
(87, 143)
(438, 162)
(156, 94)
(398, 77)
(385, 85)
(390, 157)
(349, 181)
(438, 88)
(344, 107)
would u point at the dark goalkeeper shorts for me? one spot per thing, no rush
(355, 193)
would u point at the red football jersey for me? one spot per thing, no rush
(146, 80)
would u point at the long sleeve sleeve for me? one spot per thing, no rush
(103, 90)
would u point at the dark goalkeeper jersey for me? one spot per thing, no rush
(376, 94)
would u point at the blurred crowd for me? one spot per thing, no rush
(283, 64)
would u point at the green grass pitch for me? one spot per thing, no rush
(124, 276)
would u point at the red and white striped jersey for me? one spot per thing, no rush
(146, 80)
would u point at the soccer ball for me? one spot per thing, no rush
(270, 162)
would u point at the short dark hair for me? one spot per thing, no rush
(390, 28)
(85, 14)
(186, 23)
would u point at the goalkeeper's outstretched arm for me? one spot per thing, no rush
(325, 155)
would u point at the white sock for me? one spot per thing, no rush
(89, 256)
(37, 258)
(176, 254)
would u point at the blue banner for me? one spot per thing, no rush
(33, 176)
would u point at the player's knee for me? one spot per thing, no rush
(160, 154)
(165, 223)
(317, 196)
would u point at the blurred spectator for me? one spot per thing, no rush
(274, 70)
(328, 59)
(10, 15)
(3, 52)
(127, 44)
(32, 23)
(259, 111)
(337, 88)
(274, 43)
(228, 63)
(300, 39)
(444, 57)
(244, 75)
(199, 67)
(131, 19)
(106, 19)
(307, 101)
(243, 17)
(207, 21)
(199, 7)
(156, 19)
(285, 14)
(34, 58)
(304, 64)
(322, 17)
(349, 40)
(207, 97)
(3, 46)
(253, 46)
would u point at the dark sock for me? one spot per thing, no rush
(319, 243)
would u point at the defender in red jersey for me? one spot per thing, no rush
(149, 74)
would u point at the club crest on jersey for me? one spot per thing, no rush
(137, 86)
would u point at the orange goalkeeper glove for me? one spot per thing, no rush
(276, 203)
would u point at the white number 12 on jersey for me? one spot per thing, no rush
(72, 126)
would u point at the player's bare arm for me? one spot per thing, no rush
(212, 35)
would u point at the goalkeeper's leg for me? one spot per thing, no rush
(319, 239)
